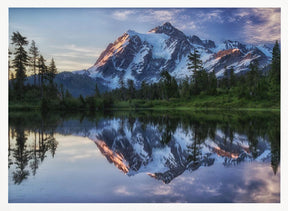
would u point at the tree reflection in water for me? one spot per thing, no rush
(26, 155)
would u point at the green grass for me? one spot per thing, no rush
(201, 102)
(24, 106)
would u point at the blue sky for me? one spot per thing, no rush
(76, 37)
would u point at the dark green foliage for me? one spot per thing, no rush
(34, 52)
(276, 64)
(144, 91)
(91, 104)
(42, 69)
(195, 63)
(275, 72)
(107, 101)
(225, 80)
(130, 89)
(20, 61)
(97, 92)
(212, 84)
(52, 71)
(184, 89)
(169, 86)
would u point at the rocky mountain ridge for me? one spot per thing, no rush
(141, 57)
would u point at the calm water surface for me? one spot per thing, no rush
(145, 157)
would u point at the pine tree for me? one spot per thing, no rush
(225, 79)
(275, 72)
(166, 84)
(9, 64)
(253, 77)
(185, 89)
(52, 71)
(42, 69)
(20, 60)
(97, 92)
(203, 80)
(232, 78)
(144, 90)
(131, 89)
(212, 83)
(122, 89)
(276, 60)
(195, 64)
(34, 52)
(174, 88)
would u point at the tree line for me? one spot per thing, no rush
(31, 61)
(255, 84)
(25, 155)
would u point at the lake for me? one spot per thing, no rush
(144, 157)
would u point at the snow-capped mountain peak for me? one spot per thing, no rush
(169, 30)
(142, 56)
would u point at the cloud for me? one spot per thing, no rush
(76, 49)
(70, 65)
(187, 26)
(123, 15)
(147, 15)
(256, 25)
(73, 56)
(163, 15)
(267, 27)
(211, 16)
(122, 190)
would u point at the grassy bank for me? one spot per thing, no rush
(221, 102)
(200, 102)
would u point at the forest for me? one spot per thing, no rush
(255, 89)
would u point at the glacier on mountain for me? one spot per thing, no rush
(142, 56)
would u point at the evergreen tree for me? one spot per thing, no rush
(174, 88)
(212, 83)
(52, 71)
(34, 52)
(131, 89)
(51, 91)
(67, 94)
(9, 64)
(122, 89)
(276, 59)
(185, 89)
(195, 64)
(232, 77)
(202, 80)
(42, 69)
(166, 84)
(144, 90)
(253, 77)
(275, 72)
(169, 85)
(20, 60)
(225, 79)
(97, 92)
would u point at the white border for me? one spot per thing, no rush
(5, 4)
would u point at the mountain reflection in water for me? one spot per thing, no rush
(162, 146)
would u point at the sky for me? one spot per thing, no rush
(75, 37)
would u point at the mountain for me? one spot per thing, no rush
(139, 56)
(142, 57)
(77, 84)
